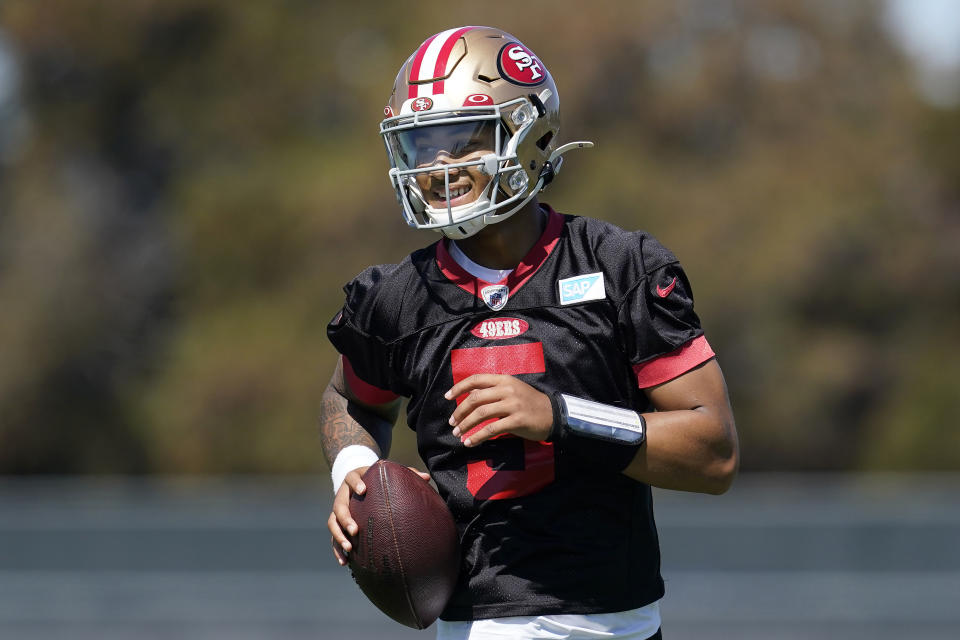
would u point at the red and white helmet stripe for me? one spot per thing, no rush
(430, 62)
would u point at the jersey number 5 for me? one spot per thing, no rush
(507, 466)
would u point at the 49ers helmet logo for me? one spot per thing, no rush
(422, 104)
(518, 65)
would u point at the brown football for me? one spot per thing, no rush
(406, 554)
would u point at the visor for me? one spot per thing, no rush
(426, 146)
(449, 140)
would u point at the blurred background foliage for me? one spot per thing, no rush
(185, 185)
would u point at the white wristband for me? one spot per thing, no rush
(603, 421)
(350, 458)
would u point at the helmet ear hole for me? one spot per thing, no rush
(545, 140)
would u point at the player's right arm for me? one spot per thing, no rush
(347, 419)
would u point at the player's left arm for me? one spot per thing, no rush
(691, 440)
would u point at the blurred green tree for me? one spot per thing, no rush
(200, 177)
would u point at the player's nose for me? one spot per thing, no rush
(442, 160)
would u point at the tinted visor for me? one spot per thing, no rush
(426, 146)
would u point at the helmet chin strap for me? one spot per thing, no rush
(479, 203)
(464, 228)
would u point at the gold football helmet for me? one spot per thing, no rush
(472, 98)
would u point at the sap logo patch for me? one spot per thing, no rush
(500, 328)
(582, 288)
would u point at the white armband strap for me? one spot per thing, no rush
(603, 421)
(596, 434)
(350, 458)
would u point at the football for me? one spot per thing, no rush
(406, 553)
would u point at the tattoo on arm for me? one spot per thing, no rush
(344, 422)
(338, 429)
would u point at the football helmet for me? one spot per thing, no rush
(477, 99)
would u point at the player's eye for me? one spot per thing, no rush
(426, 155)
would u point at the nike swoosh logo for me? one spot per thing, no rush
(663, 293)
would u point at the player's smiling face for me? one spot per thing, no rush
(452, 144)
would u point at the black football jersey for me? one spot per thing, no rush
(592, 311)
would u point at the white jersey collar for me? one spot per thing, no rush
(477, 271)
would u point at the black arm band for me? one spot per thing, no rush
(558, 418)
(595, 434)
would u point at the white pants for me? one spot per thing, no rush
(636, 624)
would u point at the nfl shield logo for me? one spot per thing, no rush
(495, 296)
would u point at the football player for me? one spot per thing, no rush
(554, 365)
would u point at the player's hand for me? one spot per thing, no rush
(340, 521)
(513, 405)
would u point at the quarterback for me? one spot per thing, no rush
(554, 366)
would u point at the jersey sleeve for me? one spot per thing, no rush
(661, 330)
(357, 334)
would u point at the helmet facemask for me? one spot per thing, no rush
(434, 148)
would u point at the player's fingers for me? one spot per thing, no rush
(422, 474)
(476, 381)
(341, 511)
(481, 414)
(354, 480)
(339, 538)
(475, 399)
(485, 432)
(346, 522)
(338, 552)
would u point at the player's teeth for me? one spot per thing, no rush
(456, 193)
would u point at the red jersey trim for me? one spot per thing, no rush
(673, 364)
(364, 391)
(528, 266)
